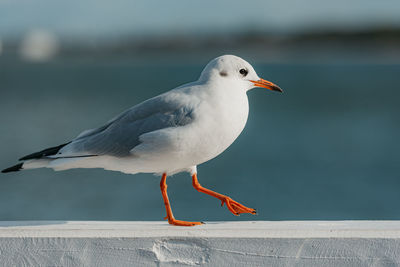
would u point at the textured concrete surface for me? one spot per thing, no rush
(260, 243)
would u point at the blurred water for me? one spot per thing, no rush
(325, 149)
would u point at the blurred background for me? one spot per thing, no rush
(325, 149)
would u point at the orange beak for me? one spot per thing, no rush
(266, 84)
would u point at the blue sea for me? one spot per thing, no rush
(326, 149)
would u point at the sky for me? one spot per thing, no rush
(99, 18)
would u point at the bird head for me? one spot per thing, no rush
(235, 69)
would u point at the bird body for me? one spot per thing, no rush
(170, 133)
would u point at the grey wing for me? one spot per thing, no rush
(119, 136)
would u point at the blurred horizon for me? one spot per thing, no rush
(378, 45)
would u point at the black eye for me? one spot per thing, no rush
(243, 72)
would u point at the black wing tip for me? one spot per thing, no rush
(30, 156)
(45, 152)
(14, 168)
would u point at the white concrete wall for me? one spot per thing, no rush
(260, 243)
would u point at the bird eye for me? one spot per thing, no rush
(243, 72)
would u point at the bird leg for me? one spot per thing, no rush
(170, 216)
(235, 207)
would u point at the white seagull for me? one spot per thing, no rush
(169, 133)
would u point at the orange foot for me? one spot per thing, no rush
(173, 221)
(235, 207)
(183, 223)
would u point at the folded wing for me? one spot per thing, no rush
(119, 136)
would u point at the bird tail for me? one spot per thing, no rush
(35, 160)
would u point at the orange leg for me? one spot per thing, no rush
(235, 207)
(170, 216)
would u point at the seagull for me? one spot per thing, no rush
(170, 133)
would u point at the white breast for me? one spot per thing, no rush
(221, 119)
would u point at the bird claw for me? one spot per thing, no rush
(236, 208)
(183, 223)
